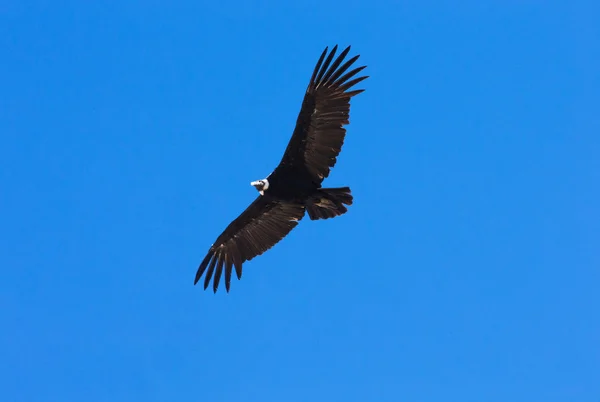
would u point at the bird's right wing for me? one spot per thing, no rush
(263, 224)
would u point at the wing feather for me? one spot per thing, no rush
(262, 225)
(218, 270)
(228, 265)
(211, 268)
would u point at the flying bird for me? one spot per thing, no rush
(294, 187)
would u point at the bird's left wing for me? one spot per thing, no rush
(263, 224)
(319, 133)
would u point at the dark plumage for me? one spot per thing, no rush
(294, 187)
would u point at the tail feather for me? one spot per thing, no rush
(329, 202)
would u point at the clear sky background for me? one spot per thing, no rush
(466, 270)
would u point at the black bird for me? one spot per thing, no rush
(295, 185)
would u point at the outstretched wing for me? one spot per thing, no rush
(263, 224)
(319, 133)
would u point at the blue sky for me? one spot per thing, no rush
(466, 270)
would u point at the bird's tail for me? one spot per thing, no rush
(329, 203)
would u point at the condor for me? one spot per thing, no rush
(294, 187)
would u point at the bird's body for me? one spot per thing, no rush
(294, 187)
(290, 183)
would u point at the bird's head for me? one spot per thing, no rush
(261, 185)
